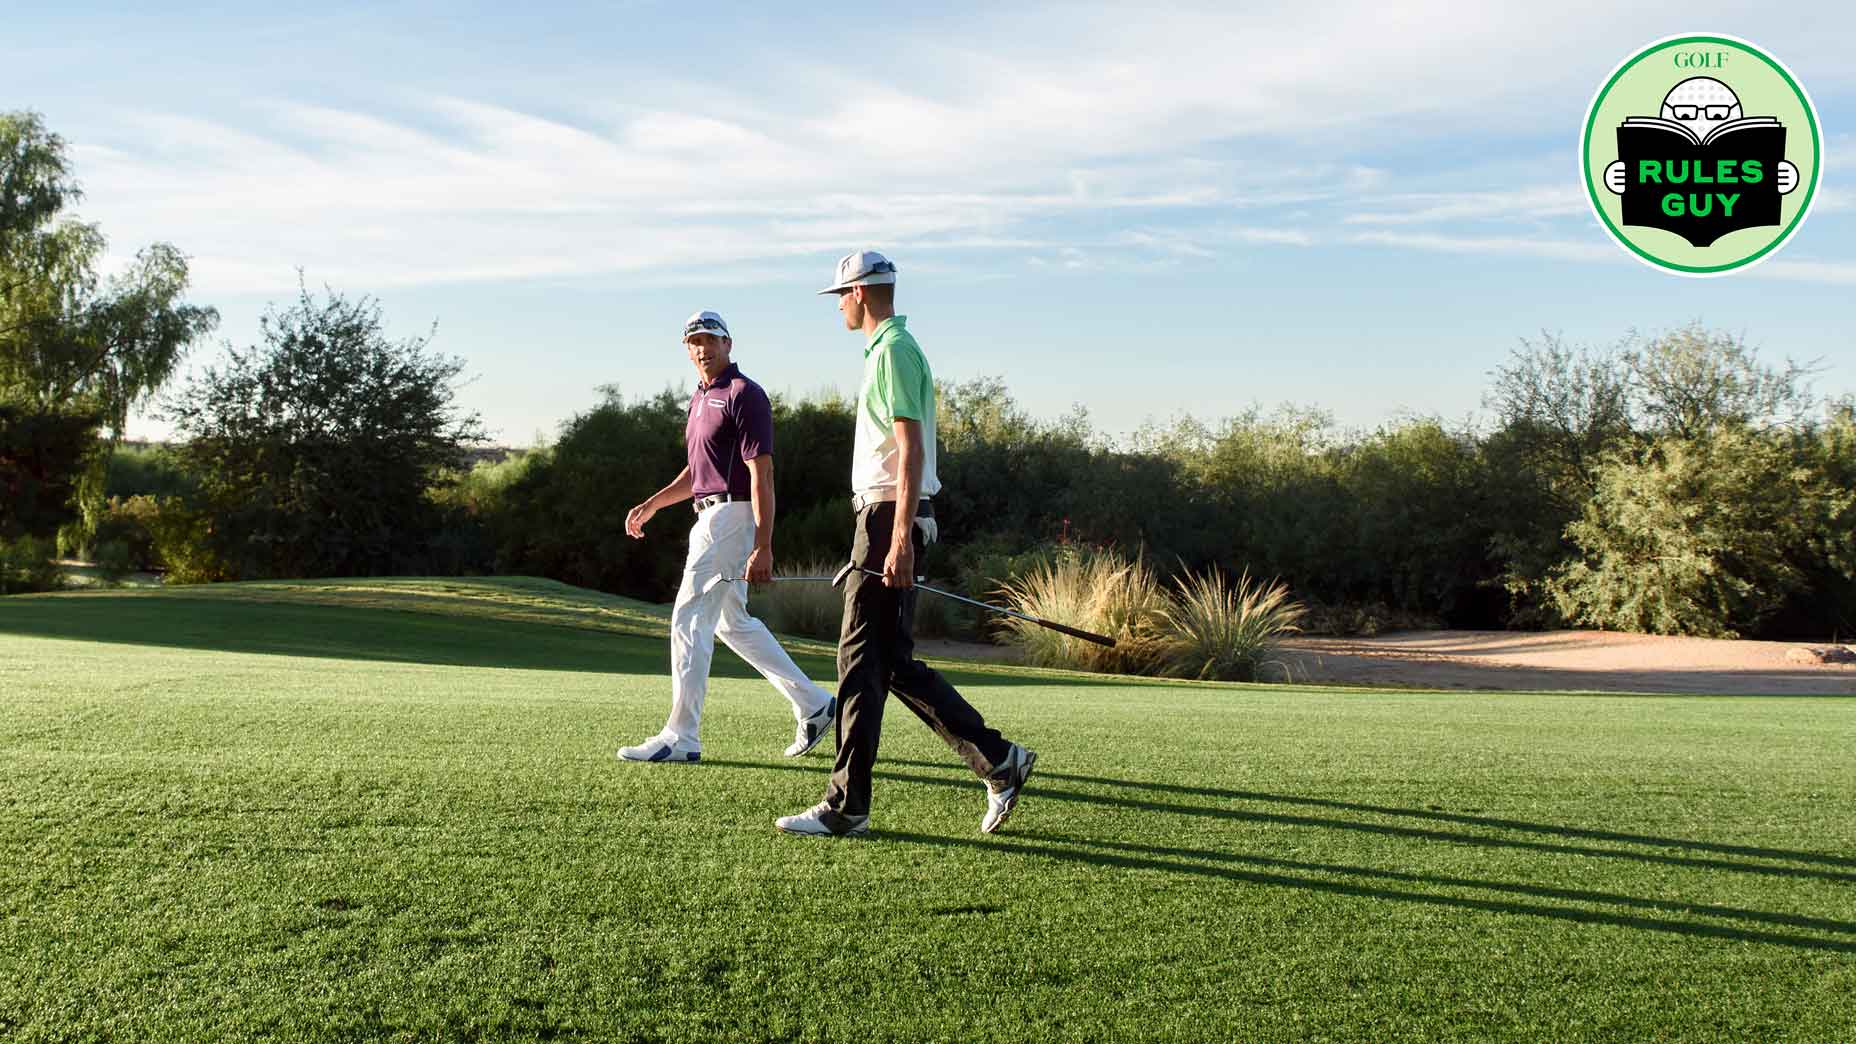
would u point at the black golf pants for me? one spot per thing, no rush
(876, 656)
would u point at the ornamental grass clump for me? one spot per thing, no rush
(1102, 592)
(1216, 630)
(1205, 628)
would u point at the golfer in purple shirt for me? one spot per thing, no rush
(730, 478)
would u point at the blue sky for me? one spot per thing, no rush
(1359, 207)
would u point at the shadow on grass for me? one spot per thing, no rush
(1284, 873)
(407, 633)
(1268, 870)
(1461, 819)
(338, 632)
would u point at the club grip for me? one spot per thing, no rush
(1076, 633)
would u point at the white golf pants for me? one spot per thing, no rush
(720, 543)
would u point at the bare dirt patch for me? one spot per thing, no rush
(1579, 661)
(1600, 661)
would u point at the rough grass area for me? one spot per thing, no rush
(389, 810)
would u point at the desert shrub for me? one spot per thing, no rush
(818, 532)
(1103, 591)
(183, 543)
(1703, 536)
(473, 513)
(27, 564)
(1827, 608)
(937, 616)
(483, 488)
(983, 568)
(812, 448)
(139, 469)
(1228, 632)
(1363, 619)
(126, 522)
(564, 517)
(113, 560)
(1419, 522)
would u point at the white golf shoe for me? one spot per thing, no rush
(812, 729)
(1004, 787)
(821, 821)
(660, 748)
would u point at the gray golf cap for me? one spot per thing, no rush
(865, 268)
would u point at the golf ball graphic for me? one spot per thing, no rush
(1703, 103)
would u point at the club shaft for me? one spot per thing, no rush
(1074, 632)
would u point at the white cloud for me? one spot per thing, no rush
(1534, 203)
(1832, 201)
(1529, 246)
(1835, 273)
(1162, 127)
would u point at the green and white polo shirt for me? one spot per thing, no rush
(897, 383)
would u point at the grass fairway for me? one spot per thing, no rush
(390, 810)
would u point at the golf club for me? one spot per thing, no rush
(1074, 632)
(832, 580)
(714, 580)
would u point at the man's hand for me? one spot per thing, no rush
(899, 567)
(760, 566)
(637, 517)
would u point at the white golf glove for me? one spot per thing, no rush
(930, 531)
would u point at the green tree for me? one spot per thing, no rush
(315, 449)
(1692, 382)
(812, 470)
(1705, 536)
(1557, 409)
(1415, 495)
(73, 345)
(41, 453)
(1827, 608)
(565, 516)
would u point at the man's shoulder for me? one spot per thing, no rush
(746, 390)
(904, 355)
(897, 343)
(896, 335)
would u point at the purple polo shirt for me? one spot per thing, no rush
(730, 422)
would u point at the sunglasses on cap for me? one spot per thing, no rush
(714, 326)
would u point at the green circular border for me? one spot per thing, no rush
(1591, 190)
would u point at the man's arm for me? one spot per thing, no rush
(899, 567)
(760, 562)
(678, 491)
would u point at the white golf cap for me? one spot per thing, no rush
(862, 269)
(706, 323)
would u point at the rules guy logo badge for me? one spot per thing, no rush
(1701, 154)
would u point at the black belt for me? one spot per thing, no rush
(703, 504)
(923, 509)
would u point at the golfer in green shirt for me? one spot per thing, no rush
(893, 482)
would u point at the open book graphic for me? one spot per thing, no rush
(1701, 188)
(1713, 136)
